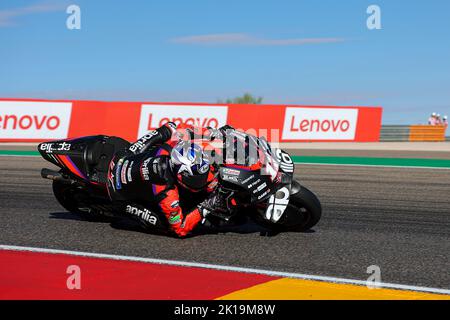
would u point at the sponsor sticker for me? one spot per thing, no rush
(123, 177)
(118, 169)
(248, 179)
(34, 120)
(302, 123)
(231, 171)
(263, 195)
(231, 178)
(111, 175)
(144, 169)
(203, 168)
(129, 177)
(144, 214)
(140, 144)
(213, 184)
(175, 219)
(154, 116)
(285, 161)
(260, 188)
(254, 183)
(50, 147)
(277, 204)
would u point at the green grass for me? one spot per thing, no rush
(359, 161)
(18, 153)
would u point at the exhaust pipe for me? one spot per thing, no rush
(55, 176)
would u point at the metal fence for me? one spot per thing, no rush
(394, 133)
(413, 133)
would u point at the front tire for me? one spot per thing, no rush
(309, 205)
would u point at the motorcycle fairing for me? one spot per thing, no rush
(86, 157)
(256, 185)
(67, 162)
(67, 154)
(278, 203)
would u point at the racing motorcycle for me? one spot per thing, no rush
(264, 191)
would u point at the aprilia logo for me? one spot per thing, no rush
(154, 116)
(144, 169)
(34, 120)
(50, 147)
(140, 144)
(320, 124)
(145, 214)
(277, 204)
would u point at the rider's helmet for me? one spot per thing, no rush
(190, 165)
(445, 117)
(434, 114)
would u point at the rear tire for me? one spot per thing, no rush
(67, 195)
(303, 212)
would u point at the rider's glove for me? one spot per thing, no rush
(203, 211)
(205, 207)
(215, 202)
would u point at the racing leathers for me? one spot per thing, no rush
(143, 176)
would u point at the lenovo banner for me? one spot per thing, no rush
(40, 120)
(27, 120)
(320, 124)
(153, 116)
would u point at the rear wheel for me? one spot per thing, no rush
(70, 196)
(302, 213)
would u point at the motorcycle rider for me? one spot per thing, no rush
(153, 169)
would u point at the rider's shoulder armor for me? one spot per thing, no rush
(155, 169)
(135, 176)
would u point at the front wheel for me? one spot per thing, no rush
(302, 213)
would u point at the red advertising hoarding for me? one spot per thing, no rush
(26, 120)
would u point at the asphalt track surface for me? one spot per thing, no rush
(395, 218)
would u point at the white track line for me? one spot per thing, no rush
(370, 165)
(225, 268)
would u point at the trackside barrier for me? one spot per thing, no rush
(427, 133)
(412, 133)
(27, 120)
(394, 133)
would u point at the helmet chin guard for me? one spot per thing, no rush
(190, 165)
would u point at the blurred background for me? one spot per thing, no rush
(290, 52)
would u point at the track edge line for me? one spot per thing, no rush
(226, 268)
